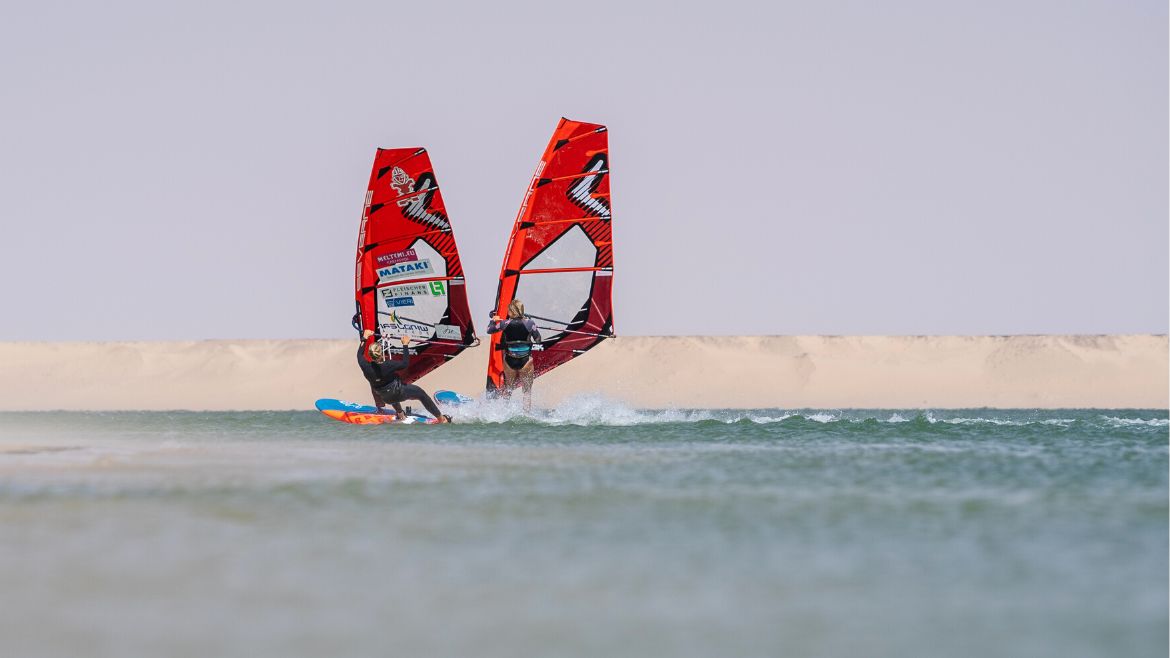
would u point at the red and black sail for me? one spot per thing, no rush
(408, 278)
(559, 259)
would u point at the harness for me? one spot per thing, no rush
(517, 343)
(518, 350)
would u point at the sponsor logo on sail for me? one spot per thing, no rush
(407, 269)
(399, 325)
(406, 290)
(429, 289)
(386, 260)
(448, 332)
(399, 301)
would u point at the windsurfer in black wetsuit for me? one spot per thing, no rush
(385, 385)
(520, 334)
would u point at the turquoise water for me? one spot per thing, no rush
(592, 530)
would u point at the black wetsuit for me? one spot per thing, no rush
(519, 335)
(386, 385)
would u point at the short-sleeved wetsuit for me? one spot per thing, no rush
(519, 335)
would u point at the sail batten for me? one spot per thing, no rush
(559, 259)
(408, 278)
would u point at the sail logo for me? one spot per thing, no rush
(417, 207)
(581, 192)
(401, 182)
(448, 332)
(399, 326)
(401, 270)
(399, 301)
(386, 260)
(431, 289)
(409, 290)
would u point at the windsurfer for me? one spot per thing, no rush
(520, 335)
(385, 385)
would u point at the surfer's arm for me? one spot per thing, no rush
(495, 326)
(396, 365)
(368, 369)
(532, 330)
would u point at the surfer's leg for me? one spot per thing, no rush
(510, 375)
(526, 375)
(412, 392)
(380, 402)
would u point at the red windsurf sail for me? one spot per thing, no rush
(559, 260)
(408, 279)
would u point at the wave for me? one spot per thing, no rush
(598, 410)
(1130, 422)
(580, 410)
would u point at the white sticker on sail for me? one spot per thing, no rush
(414, 309)
(448, 332)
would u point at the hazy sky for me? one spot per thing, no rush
(197, 170)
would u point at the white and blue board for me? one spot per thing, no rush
(451, 398)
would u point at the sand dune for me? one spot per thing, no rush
(648, 372)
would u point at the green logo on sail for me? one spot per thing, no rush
(437, 288)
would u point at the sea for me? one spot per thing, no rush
(591, 529)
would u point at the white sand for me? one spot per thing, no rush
(647, 372)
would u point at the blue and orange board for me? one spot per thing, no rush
(362, 414)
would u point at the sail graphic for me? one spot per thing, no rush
(408, 278)
(559, 260)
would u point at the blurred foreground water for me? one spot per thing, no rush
(590, 530)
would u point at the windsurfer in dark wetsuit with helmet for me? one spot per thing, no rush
(385, 385)
(520, 334)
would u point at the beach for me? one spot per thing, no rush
(646, 372)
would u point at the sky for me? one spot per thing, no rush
(197, 170)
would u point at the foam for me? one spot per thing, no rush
(595, 409)
(1149, 422)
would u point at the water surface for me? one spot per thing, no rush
(590, 530)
